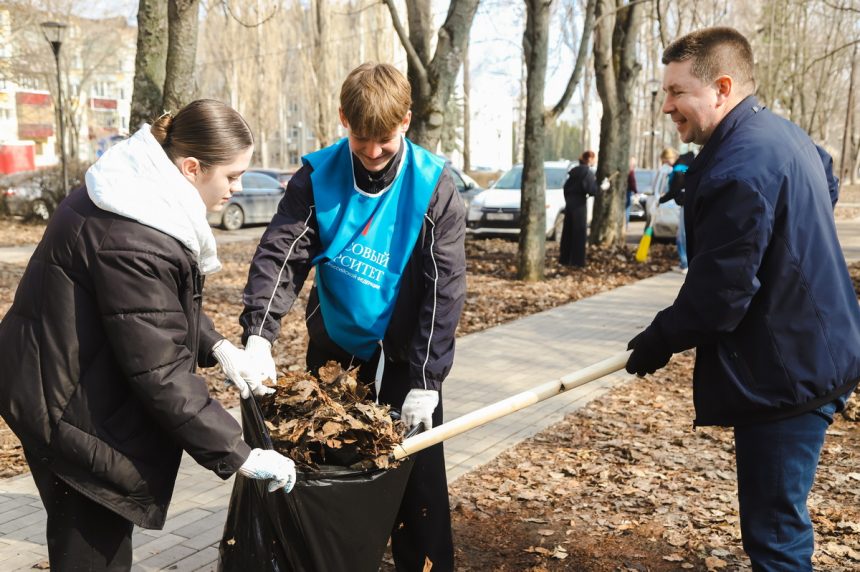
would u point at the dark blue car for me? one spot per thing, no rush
(256, 203)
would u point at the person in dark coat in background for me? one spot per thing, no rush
(579, 185)
(99, 348)
(768, 302)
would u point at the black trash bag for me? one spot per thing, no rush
(334, 519)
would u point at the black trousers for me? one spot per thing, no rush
(422, 530)
(82, 534)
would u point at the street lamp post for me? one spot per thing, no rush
(53, 32)
(653, 87)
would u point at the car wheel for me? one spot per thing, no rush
(233, 218)
(557, 228)
(40, 209)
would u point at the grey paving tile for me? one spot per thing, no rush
(199, 559)
(164, 559)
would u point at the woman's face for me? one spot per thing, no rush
(217, 183)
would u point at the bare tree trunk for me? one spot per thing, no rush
(467, 114)
(844, 159)
(432, 80)
(533, 195)
(149, 62)
(586, 106)
(181, 53)
(615, 69)
(533, 223)
(325, 121)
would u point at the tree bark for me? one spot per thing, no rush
(844, 157)
(467, 113)
(179, 85)
(532, 240)
(149, 63)
(532, 243)
(325, 120)
(432, 81)
(615, 68)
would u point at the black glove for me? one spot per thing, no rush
(650, 351)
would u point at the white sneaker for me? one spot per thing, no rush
(679, 270)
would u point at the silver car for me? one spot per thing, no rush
(256, 203)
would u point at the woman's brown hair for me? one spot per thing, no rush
(206, 129)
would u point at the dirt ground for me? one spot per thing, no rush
(624, 484)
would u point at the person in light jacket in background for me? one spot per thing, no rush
(99, 349)
(381, 222)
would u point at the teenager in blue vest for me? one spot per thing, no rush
(768, 302)
(380, 221)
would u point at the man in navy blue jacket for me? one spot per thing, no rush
(768, 302)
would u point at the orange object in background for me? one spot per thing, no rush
(17, 157)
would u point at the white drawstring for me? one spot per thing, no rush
(380, 370)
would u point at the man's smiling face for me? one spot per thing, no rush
(693, 105)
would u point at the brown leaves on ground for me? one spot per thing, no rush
(329, 421)
(16, 232)
(626, 483)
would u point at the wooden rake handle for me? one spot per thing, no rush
(507, 406)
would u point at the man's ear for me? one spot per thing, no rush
(343, 120)
(190, 168)
(725, 87)
(404, 125)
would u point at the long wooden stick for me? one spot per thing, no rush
(507, 406)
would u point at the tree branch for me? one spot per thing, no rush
(828, 55)
(587, 29)
(248, 25)
(841, 8)
(416, 62)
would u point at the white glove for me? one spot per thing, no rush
(260, 352)
(268, 464)
(604, 184)
(418, 407)
(240, 370)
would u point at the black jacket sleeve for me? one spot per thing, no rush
(444, 273)
(282, 260)
(139, 301)
(733, 225)
(208, 338)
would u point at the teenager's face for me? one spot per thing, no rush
(695, 107)
(217, 183)
(375, 152)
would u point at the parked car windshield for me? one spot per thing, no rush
(513, 179)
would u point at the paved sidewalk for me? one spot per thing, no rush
(490, 366)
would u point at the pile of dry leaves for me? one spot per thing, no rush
(330, 421)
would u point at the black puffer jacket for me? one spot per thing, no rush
(98, 354)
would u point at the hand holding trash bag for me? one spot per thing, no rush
(418, 407)
(267, 464)
(240, 369)
(259, 350)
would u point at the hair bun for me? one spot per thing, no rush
(161, 128)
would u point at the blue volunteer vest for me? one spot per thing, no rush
(367, 241)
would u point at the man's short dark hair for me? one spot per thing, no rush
(715, 52)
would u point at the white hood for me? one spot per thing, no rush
(136, 179)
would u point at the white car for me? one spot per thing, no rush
(497, 210)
